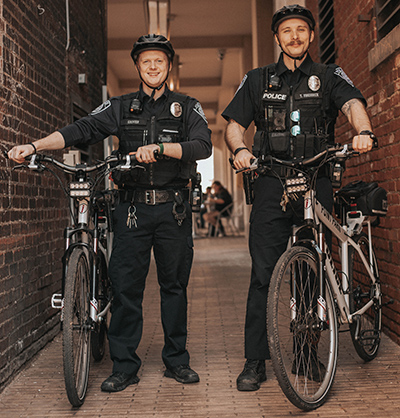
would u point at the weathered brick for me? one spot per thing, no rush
(36, 100)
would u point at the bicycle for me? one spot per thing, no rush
(85, 298)
(309, 299)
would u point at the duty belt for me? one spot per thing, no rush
(152, 196)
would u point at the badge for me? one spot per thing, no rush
(314, 83)
(176, 109)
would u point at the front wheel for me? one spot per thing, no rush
(366, 331)
(99, 333)
(76, 327)
(303, 348)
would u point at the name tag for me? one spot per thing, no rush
(315, 95)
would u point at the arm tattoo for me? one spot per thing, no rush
(346, 108)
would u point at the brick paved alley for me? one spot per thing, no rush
(217, 297)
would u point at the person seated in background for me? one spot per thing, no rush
(204, 207)
(220, 198)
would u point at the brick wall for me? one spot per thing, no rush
(39, 82)
(381, 89)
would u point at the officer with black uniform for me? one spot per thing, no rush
(153, 211)
(294, 104)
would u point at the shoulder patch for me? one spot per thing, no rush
(339, 72)
(241, 84)
(199, 110)
(102, 107)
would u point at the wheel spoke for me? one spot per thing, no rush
(303, 350)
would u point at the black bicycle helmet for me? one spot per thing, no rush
(289, 12)
(152, 42)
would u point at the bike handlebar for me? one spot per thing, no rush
(125, 160)
(339, 151)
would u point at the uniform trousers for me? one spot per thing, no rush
(129, 265)
(270, 229)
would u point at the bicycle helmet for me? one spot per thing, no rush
(152, 42)
(289, 12)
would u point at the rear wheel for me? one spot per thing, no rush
(366, 331)
(303, 348)
(76, 327)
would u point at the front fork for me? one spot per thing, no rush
(57, 300)
(321, 259)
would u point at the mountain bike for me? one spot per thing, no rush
(309, 298)
(85, 298)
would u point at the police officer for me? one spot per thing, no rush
(294, 104)
(153, 211)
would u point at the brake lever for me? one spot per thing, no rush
(253, 166)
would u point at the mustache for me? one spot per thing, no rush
(295, 43)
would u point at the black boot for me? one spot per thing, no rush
(252, 375)
(118, 381)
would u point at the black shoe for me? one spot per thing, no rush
(118, 381)
(310, 367)
(182, 374)
(252, 375)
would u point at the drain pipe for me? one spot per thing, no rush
(67, 23)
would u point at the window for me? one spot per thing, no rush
(387, 16)
(326, 31)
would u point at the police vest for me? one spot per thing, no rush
(294, 122)
(168, 127)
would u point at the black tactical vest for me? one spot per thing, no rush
(294, 122)
(168, 127)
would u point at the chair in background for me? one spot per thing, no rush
(226, 219)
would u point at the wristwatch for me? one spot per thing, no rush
(237, 150)
(372, 136)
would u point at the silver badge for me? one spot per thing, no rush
(176, 109)
(314, 83)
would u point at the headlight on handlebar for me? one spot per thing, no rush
(79, 189)
(296, 185)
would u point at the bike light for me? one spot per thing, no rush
(79, 189)
(296, 185)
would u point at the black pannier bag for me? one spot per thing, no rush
(368, 198)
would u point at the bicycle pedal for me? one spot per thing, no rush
(57, 301)
(369, 337)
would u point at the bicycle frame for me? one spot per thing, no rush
(315, 213)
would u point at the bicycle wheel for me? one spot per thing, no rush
(98, 339)
(76, 327)
(303, 349)
(367, 340)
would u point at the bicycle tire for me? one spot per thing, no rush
(99, 333)
(76, 327)
(304, 356)
(367, 342)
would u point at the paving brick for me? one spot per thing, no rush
(217, 299)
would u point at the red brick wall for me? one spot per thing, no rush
(38, 77)
(380, 87)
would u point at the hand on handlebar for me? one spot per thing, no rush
(20, 152)
(243, 160)
(362, 143)
(147, 154)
